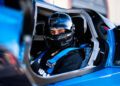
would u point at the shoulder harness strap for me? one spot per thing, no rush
(52, 62)
(40, 56)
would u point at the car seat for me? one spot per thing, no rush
(83, 39)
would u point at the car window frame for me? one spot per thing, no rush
(80, 72)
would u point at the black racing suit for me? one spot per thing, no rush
(69, 62)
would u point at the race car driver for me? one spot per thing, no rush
(61, 56)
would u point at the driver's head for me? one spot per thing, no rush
(60, 30)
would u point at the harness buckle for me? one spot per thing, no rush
(50, 64)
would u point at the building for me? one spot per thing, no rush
(109, 8)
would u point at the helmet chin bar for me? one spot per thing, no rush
(59, 41)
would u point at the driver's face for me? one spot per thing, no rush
(57, 31)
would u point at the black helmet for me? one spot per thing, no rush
(60, 20)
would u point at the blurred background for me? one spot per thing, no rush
(109, 8)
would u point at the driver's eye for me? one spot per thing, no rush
(61, 30)
(57, 31)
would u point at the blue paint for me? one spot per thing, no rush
(104, 77)
(10, 29)
(1, 2)
(111, 43)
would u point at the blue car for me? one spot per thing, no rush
(100, 68)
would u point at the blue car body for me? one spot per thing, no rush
(107, 76)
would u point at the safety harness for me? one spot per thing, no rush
(52, 62)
